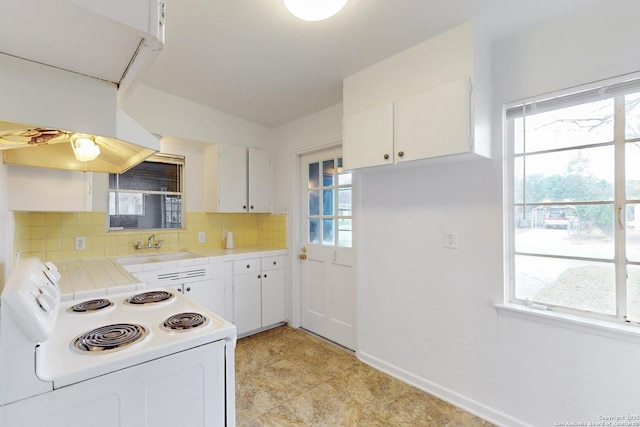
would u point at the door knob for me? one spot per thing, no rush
(303, 255)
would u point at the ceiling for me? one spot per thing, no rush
(251, 58)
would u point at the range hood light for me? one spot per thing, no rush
(84, 147)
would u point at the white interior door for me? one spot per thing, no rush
(327, 282)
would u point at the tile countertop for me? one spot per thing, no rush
(97, 277)
(207, 256)
(94, 278)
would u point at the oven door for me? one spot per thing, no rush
(182, 389)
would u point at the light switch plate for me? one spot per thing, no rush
(450, 240)
(202, 237)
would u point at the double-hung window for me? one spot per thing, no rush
(573, 194)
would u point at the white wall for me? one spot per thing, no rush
(168, 115)
(186, 128)
(6, 229)
(292, 139)
(426, 312)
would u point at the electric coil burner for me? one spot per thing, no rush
(91, 306)
(185, 321)
(152, 297)
(110, 338)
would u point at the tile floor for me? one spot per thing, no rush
(287, 377)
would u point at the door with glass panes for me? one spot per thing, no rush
(328, 294)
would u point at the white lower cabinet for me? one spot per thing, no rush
(258, 293)
(208, 293)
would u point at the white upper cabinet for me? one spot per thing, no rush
(40, 189)
(232, 179)
(433, 123)
(237, 179)
(259, 188)
(368, 137)
(432, 100)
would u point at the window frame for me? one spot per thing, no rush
(156, 158)
(614, 88)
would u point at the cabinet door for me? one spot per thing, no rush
(259, 181)
(435, 122)
(247, 302)
(209, 294)
(273, 303)
(232, 179)
(368, 138)
(41, 189)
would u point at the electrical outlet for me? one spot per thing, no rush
(201, 237)
(450, 240)
(81, 243)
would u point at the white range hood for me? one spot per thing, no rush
(65, 65)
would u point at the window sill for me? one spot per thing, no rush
(622, 332)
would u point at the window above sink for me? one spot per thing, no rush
(148, 196)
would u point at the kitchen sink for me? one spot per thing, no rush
(145, 259)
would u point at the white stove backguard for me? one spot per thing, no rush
(33, 293)
(28, 312)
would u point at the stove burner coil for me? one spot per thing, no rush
(185, 321)
(91, 305)
(110, 338)
(151, 297)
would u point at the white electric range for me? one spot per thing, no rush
(151, 358)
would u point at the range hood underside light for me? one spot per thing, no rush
(53, 148)
(84, 147)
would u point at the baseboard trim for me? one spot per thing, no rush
(472, 406)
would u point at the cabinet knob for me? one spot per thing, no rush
(251, 206)
(274, 262)
(265, 276)
(188, 289)
(244, 207)
(400, 153)
(259, 276)
(248, 265)
(386, 156)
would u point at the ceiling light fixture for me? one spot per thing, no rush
(84, 147)
(314, 10)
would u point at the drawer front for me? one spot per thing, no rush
(246, 266)
(180, 275)
(274, 262)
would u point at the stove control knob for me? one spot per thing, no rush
(50, 291)
(51, 266)
(46, 302)
(52, 275)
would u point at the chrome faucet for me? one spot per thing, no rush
(150, 244)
